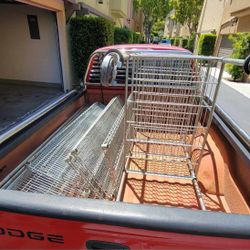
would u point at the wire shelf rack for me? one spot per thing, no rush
(72, 162)
(171, 100)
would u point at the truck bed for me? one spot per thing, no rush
(154, 212)
(47, 171)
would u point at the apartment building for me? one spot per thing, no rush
(224, 17)
(121, 12)
(174, 29)
(134, 18)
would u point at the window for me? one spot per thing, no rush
(33, 27)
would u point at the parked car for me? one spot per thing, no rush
(155, 40)
(130, 161)
(165, 42)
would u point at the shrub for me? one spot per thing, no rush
(87, 34)
(142, 40)
(136, 37)
(184, 43)
(172, 41)
(177, 41)
(154, 33)
(206, 44)
(123, 35)
(241, 49)
(191, 41)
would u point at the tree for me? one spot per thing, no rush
(153, 10)
(158, 28)
(187, 12)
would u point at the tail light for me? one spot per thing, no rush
(93, 70)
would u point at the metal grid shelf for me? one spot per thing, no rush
(167, 115)
(72, 161)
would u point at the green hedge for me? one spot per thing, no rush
(184, 43)
(137, 37)
(206, 44)
(241, 49)
(177, 41)
(191, 42)
(87, 34)
(123, 35)
(172, 41)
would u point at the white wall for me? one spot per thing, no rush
(23, 58)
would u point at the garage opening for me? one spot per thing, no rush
(226, 48)
(30, 65)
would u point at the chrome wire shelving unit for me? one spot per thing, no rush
(72, 162)
(168, 114)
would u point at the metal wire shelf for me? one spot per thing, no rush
(169, 115)
(72, 162)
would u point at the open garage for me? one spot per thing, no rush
(33, 57)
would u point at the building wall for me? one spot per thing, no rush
(173, 29)
(184, 31)
(133, 19)
(58, 8)
(244, 24)
(103, 8)
(211, 16)
(117, 10)
(138, 19)
(237, 5)
(235, 16)
(128, 19)
(169, 26)
(23, 58)
(176, 30)
(120, 11)
(225, 17)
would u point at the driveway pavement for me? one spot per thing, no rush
(19, 100)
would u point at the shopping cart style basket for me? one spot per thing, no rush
(169, 106)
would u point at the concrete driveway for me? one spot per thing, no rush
(19, 100)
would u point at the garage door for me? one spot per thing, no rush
(29, 48)
(226, 48)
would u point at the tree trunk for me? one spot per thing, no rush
(190, 28)
(148, 27)
(148, 36)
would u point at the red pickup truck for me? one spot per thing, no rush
(140, 158)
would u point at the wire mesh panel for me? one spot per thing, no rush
(112, 163)
(87, 155)
(68, 163)
(47, 164)
(172, 100)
